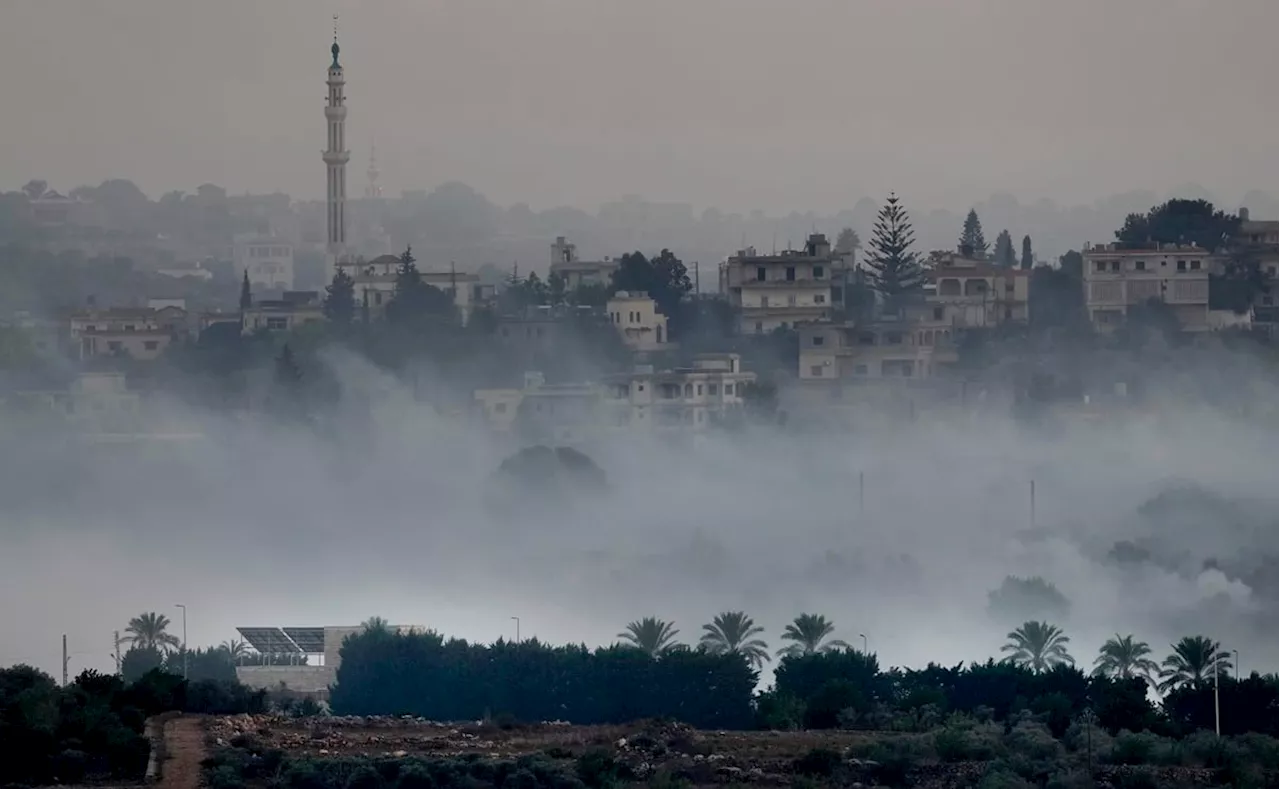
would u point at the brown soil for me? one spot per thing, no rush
(184, 750)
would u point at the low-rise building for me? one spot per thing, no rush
(689, 398)
(268, 261)
(1261, 239)
(291, 311)
(1115, 280)
(783, 290)
(375, 284)
(969, 293)
(141, 333)
(912, 348)
(637, 319)
(577, 273)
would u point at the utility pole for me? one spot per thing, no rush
(117, 652)
(1089, 719)
(184, 638)
(1217, 717)
(517, 628)
(697, 280)
(65, 660)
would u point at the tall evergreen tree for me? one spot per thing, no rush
(1005, 255)
(892, 268)
(1028, 259)
(246, 295)
(414, 299)
(972, 242)
(340, 299)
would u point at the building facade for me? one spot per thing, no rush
(375, 284)
(968, 293)
(783, 290)
(913, 348)
(268, 262)
(1116, 280)
(637, 319)
(1260, 240)
(577, 273)
(292, 311)
(141, 333)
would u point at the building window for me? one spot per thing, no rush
(819, 298)
(815, 371)
(893, 338)
(688, 390)
(819, 339)
(1182, 265)
(866, 338)
(277, 324)
(151, 345)
(760, 273)
(1008, 313)
(759, 327)
(791, 301)
(113, 346)
(1100, 266)
(699, 390)
(819, 272)
(1115, 265)
(1195, 265)
(791, 273)
(937, 313)
(500, 408)
(128, 327)
(713, 389)
(728, 390)
(859, 369)
(764, 301)
(1140, 265)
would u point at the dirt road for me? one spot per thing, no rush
(184, 745)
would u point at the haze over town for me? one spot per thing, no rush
(868, 441)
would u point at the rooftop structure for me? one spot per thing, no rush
(783, 290)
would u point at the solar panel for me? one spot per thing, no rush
(268, 640)
(309, 639)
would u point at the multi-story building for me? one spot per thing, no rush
(575, 272)
(637, 319)
(782, 290)
(1261, 239)
(268, 261)
(691, 398)
(968, 293)
(375, 284)
(291, 311)
(914, 347)
(1116, 280)
(142, 333)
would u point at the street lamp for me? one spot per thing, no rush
(184, 638)
(1236, 654)
(865, 651)
(517, 621)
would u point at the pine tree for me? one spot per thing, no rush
(413, 299)
(246, 295)
(972, 242)
(893, 270)
(1004, 254)
(340, 299)
(1028, 259)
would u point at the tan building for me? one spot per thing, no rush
(637, 319)
(141, 333)
(913, 348)
(1117, 279)
(969, 293)
(375, 281)
(689, 398)
(293, 310)
(780, 291)
(1262, 238)
(575, 272)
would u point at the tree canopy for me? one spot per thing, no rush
(893, 269)
(1179, 222)
(972, 241)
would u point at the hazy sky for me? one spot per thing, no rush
(737, 103)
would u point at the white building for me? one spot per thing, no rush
(375, 284)
(782, 290)
(637, 319)
(1117, 279)
(269, 262)
(575, 272)
(915, 348)
(141, 333)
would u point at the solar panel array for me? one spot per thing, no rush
(269, 640)
(308, 639)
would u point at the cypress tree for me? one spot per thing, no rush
(246, 295)
(1005, 255)
(340, 299)
(1028, 260)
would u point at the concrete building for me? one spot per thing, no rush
(141, 333)
(1117, 279)
(310, 656)
(688, 398)
(576, 272)
(786, 289)
(268, 261)
(914, 348)
(969, 293)
(1261, 239)
(375, 284)
(637, 319)
(291, 311)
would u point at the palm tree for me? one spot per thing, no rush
(1038, 646)
(651, 635)
(1195, 659)
(806, 632)
(235, 648)
(1124, 658)
(732, 633)
(147, 631)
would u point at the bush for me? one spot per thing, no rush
(1000, 776)
(818, 762)
(1034, 741)
(415, 777)
(964, 740)
(364, 777)
(597, 768)
(1141, 748)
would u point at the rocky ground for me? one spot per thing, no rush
(648, 748)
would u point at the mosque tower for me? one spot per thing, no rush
(374, 189)
(335, 158)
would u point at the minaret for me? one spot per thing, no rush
(374, 189)
(335, 158)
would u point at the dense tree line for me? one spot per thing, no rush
(93, 727)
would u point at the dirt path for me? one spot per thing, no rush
(184, 744)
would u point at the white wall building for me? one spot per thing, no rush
(375, 280)
(637, 319)
(269, 262)
(782, 290)
(1116, 280)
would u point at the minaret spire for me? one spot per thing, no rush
(374, 189)
(335, 157)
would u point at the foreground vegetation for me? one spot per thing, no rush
(93, 727)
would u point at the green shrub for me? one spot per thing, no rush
(1141, 748)
(364, 777)
(1000, 776)
(963, 740)
(224, 777)
(597, 768)
(1034, 741)
(821, 762)
(415, 777)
